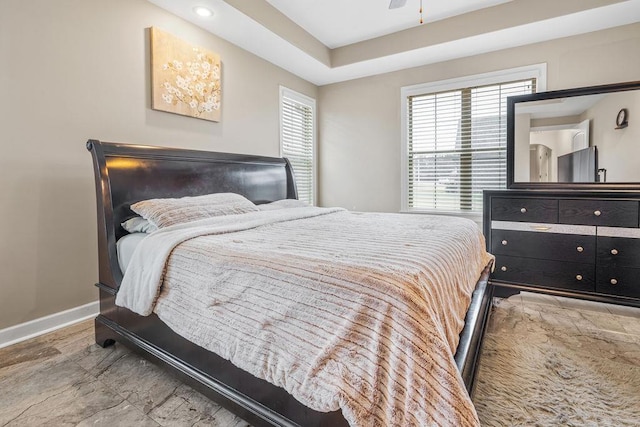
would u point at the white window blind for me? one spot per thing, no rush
(297, 140)
(456, 142)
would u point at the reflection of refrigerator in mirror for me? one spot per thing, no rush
(540, 163)
(579, 166)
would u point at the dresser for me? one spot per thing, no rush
(575, 243)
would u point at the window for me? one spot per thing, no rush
(454, 143)
(297, 140)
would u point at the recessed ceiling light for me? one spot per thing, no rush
(203, 11)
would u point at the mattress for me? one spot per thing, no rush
(126, 246)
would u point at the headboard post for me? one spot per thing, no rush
(127, 173)
(108, 268)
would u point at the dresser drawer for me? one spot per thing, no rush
(618, 281)
(529, 210)
(531, 244)
(618, 252)
(547, 273)
(614, 213)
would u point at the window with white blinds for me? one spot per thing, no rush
(455, 145)
(297, 139)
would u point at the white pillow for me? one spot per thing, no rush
(138, 225)
(167, 212)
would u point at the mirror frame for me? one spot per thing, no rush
(511, 103)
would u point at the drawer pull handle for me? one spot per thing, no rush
(523, 210)
(580, 249)
(540, 228)
(614, 252)
(579, 277)
(504, 243)
(503, 268)
(614, 281)
(597, 213)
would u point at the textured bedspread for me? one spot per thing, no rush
(350, 311)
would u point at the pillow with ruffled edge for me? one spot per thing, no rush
(283, 204)
(166, 212)
(138, 224)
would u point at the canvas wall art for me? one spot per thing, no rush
(185, 79)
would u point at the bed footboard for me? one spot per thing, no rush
(251, 398)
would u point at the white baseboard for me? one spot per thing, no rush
(43, 325)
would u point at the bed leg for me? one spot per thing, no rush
(104, 334)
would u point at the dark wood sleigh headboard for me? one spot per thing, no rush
(126, 174)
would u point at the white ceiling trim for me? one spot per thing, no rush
(237, 28)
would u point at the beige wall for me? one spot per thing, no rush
(359, 121)
(618, 149)
(521, 143)
(71, 70)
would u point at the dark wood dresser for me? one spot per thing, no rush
(573, 243)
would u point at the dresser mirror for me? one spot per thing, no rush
(584, 138)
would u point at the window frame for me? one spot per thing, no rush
(537, 71)
(309, 102)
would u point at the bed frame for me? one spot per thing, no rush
(125, 174)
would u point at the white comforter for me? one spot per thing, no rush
(350, 311)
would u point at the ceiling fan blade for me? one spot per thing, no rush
(395, 4)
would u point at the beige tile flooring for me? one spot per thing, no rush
(64, 379)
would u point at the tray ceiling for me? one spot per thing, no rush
(328, 41)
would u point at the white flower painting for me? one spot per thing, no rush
(185, 79)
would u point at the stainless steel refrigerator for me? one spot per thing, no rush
(578, 166)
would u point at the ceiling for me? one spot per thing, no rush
(558, 107)
(337, 23)
(328, 41)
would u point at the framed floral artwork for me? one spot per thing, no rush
(185, 79)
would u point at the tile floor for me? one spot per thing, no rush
(64, 379)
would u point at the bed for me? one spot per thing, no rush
(126, 174)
